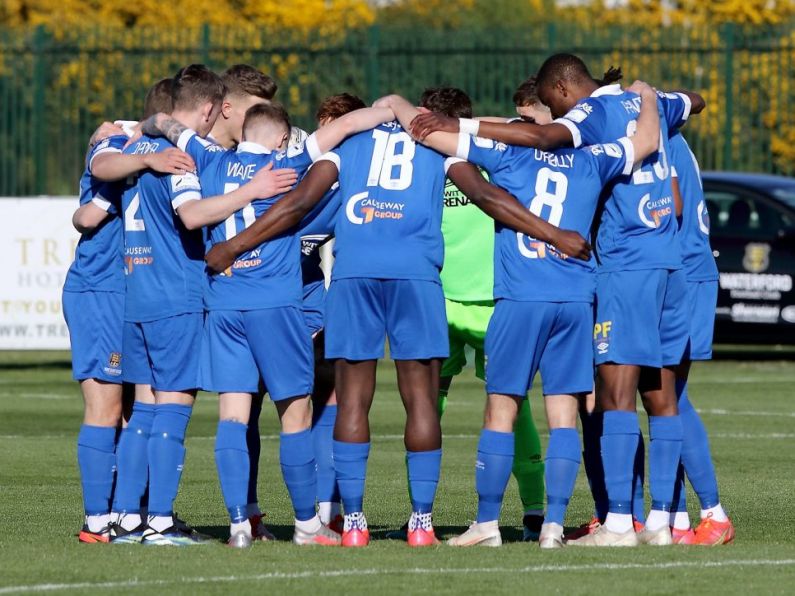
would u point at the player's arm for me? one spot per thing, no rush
(405, 112)
(88, 217)
(282, 216)
(677, 107)
(103, 131)
(333, 133)
(196, 213)
(118, 166)
(646, 139)
(697, 102)
(526, 134)
(504, 208)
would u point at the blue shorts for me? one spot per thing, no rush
(314, 305)
(642, 317)
(164, 353)
(702, 296)
(95, 321)
(241, 347)
(554, 337)
(361, 313)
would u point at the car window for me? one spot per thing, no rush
(737, 215)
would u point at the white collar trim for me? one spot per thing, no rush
(251, 147)
(614, 89)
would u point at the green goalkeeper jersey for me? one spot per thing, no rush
(468, 272)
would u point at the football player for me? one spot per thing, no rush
(639, 264)
(392, 203)
(702, 291)
(260, 296)
(93, 302)
(543, 316)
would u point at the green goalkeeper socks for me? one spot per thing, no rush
(528, 467)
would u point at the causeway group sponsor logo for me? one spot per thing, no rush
(652, 212)
(361, 209)
(531, 248)
(137, 256)
(250, 261)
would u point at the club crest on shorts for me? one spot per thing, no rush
(757, 257)
(115, 360)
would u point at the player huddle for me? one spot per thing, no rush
(199, 268)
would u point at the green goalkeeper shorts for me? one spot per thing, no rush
(466, 326)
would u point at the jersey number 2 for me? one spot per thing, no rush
(131, 223)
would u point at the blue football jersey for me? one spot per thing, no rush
(270, 275)
(98, 264)
(699, 264)
(389, 225)
(638, 222)
(315, 229)
(561, 187)
(163, 260)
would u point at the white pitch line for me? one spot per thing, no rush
(722, 412)
(410, 571)
(716, 435)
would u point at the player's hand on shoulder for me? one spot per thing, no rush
(425, 124)
(268, 182)
(641, 88)
(383, 102)
(105, 130)
(137, 133)
(171, 161)
(220, 257)
(572, 244)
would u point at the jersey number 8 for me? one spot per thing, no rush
(553, 200)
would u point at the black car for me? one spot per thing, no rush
(752, 232)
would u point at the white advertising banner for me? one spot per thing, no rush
(38, 244)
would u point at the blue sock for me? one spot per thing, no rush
(665, 449)
(679, 502)
(132, 459)
(424, 468)
(166, 456)
(350, 464)
(492, 471)
(592, 459)
(231, 458)
(298, 468)
(560, 471)
(696, 457)
(96, 457)
(322, 443)
(638, 475)
(619, 445)
(253, 444)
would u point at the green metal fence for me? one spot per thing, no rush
(54, 90)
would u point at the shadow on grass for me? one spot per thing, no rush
(284, 533)
(753, 353)
(36, 365)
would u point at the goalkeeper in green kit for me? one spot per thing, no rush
(467, 281)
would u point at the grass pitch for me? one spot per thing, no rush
(748, 407)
